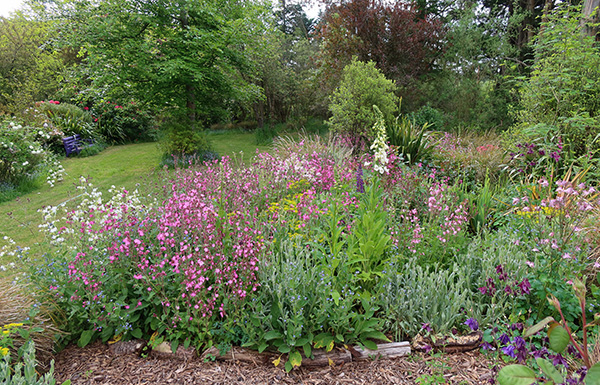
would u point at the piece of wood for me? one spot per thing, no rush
(449, 344)
(323, 358)
(239, 354)
(389, 350)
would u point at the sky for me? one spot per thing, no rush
(7, 6)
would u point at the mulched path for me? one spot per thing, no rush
(96, 365)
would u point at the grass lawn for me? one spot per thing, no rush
(127, 166)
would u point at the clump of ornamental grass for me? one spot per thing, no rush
(469, 156)
(36, 320)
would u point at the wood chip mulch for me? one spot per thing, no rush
(96, 365)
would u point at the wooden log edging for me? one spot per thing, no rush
(336, 356)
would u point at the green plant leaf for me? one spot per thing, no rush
(549, 370)
(271, 335)
(262, 347)
(307, 350)
(369, 344)
(174, 345)
(85, 338)
(376, 335)
(136, 333)
(284, 348)
(295, 358)
(537, 327)
(593, 375)
(516, 375)
(288, 366)
(559, 338)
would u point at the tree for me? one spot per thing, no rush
(30, 68)
(398, 37)
(189, 57)
(362, 86)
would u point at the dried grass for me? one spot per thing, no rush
(16, 302)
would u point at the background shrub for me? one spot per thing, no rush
(362, 86)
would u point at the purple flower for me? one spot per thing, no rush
(360, 183)
(472, 323)
(554, 155)
(504, 339)
(559, 360)
(525, 286)
(542, 353)
(427, 327)
(483, 290)
(509, 350)
(487, 346)
(427, 348)
(516, 326)
(520, 343)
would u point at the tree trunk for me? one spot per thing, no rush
(590, 16)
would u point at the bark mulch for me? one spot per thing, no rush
(96, 365)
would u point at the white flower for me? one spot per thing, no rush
(25, 163)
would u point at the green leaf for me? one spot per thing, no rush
(369, 344)
(516, 375)
(136, 333)
(376, 335)
(186, 343)
(322, 340)
(284, 348)
(288, 366)
(549, 370)
(295, 358)
(174, 345)
(262, 347)
(85, 338)
(271, 335)
(559, 338)
(537, 327)
(307, 350)
(593, 375)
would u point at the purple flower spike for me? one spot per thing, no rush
(504, 339)
(427, 327)
(472, 323)
(560, 360)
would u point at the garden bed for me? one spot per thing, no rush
(95, 364)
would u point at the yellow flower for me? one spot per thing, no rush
(3, 352)
(5, 332)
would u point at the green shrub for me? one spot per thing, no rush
(563, 93)
(69, 119)
(181, 140)
(427, 115)
(22, 157)
(123, 121)
(362, 87)
(265, 134)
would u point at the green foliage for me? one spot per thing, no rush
(22, 157)
(563, 92)
(362, 86)
(30, 66)
(559, 337)
(298, 307)
(188, 57)
(427, 115)
(25, 372)
(69, 119)
(410, 139)
(412, 295)
(182, 139)
(265, 134)
(123, 122)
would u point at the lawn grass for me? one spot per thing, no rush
(130, 166)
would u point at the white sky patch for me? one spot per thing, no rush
(9, 6)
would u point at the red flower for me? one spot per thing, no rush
(86, 108)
